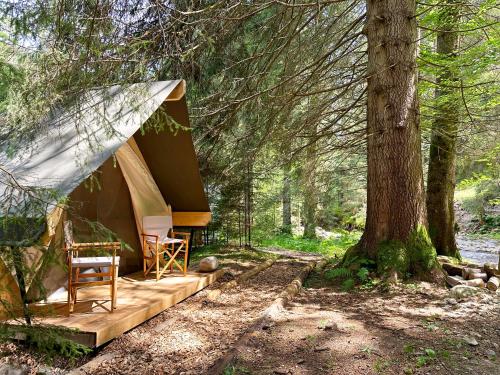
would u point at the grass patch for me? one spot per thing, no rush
(465, 193)
(334, 246)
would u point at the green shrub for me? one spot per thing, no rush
(47, 340)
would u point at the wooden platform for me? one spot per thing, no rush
(138, 300)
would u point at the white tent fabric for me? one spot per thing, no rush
(77, 141)
(147, 199)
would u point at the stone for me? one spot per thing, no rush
(470, 340)
(451, 301)
(208, 264)
(6, 369)
(463, 291)
(491, 354)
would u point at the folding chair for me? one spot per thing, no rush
(107, 266)
(160, 242)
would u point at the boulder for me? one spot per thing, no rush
(208, 264)
(463, 291)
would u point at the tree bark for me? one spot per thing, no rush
(287, 198)
(441, 174)
(395, 235)
(310, 193)
(17, 259)
(248, 196)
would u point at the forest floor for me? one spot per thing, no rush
(413, 328)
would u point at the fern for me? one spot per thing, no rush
(338, 273)
(362, 274)
(348, 284)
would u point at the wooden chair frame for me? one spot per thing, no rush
(159, 250)
(108, 278)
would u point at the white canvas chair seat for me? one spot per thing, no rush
(159, 243)
(94, 262)
(166, 240)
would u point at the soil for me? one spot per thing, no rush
(327, 331)
(409, 329)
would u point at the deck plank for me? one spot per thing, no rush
(138, 300)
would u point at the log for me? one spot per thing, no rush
(468, 270)
(479, 283)
(263, 320)
(478, 275)
(455, 280)
(215, 293)
(491, 270)
(453, 269)
(493, 283)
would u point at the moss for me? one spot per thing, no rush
(416, 256)
(422, 253)
(393, 256)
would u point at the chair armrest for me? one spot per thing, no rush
(96, 245)
(150, 235)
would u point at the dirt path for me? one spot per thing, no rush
(188, 338)
(413, 330)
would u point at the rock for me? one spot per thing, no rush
(327, 326)
(470, 340)
(463, 291)
(6, 369)
(491, 354)
(208, 264)
(451, 301)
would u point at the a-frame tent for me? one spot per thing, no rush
(117, 153)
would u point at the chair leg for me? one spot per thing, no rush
(113, 289)
(157, 264)
(172, 264)
(185, 257)
(70, 309)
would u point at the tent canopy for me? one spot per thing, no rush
(77, 141)
(74, 156)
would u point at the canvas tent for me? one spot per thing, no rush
(116, 154)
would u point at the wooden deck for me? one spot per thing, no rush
(138, 300)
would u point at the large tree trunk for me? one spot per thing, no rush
(395, 233)
(441, 175)
(310, 193)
